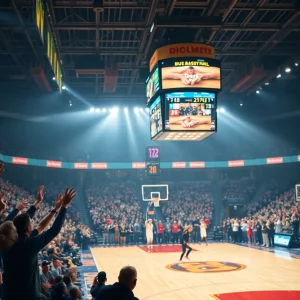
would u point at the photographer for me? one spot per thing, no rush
(98, 283)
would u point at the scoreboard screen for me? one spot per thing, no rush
(152, 84)
(191, 72)
(190, 111)
(152, 153)
(153, 169)
(156, 122)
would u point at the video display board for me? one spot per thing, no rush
(190, 111)
(156, 122)
(152, 84)
(191, 72)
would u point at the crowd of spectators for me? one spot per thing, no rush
(115, 209)
(239, 189)
(46, 260)
(273, 214)
(117, 214)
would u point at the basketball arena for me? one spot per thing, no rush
(149, 149)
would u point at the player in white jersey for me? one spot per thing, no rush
(149, 234)
(203, 233)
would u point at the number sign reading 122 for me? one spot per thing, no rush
(152, 154)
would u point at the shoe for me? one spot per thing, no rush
(187, 258)
(181, 261)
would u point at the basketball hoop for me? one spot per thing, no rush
(156, 201)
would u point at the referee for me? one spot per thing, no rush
(184, 242)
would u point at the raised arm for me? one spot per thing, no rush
(40, 241)
(47, 219)
(39, 199)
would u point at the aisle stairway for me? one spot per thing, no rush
(81, 205)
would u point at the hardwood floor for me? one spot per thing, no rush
(263, 271)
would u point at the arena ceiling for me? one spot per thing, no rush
(244, 33)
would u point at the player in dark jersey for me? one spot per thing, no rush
(185, 242)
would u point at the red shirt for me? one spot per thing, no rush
(161, 228)
(175, 228)
(206, 221)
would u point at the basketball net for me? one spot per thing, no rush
(155, 201)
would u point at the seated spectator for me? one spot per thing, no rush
(60, 292)
(99, 282)
(45, 291)
(69, 283)
(56, 268)
(121, 290)
(75, 294)
(46, 276)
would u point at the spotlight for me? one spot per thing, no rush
(115, 109)
(147, 109)
(126, 109)
(136, 110)
(53, 78)
(241, 104)
(104, 109)
(97, 110)
(70, 103)
(222, 109)
(92, 109)
(257, 92)
(64, 87)
(296, 64)
(267, 83)
(278, 76)
(287, 70)
(141, 110)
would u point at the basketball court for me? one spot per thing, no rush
(217, 271)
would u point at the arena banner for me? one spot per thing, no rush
(274, 160)
(40, 18)
(99, 165)
(142, 165)
(181, 50)
(178, 165)
(20, 160)
(53, 164)
(138, 165)
(197, 164)
(81, 165)
(236, 163)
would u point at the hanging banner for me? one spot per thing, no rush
(54, 60)
(40, 18)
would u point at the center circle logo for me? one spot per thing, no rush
(206, 267)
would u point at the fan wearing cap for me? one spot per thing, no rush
(99, 282)
(46, 276)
